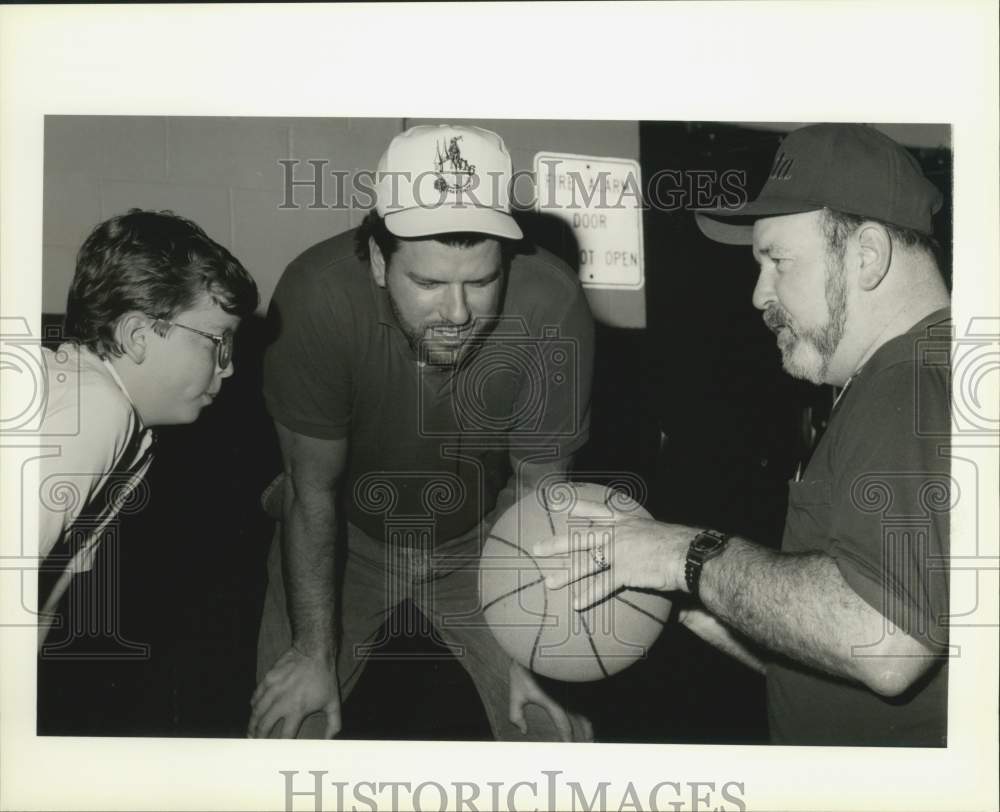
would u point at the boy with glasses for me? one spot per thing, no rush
(151, 314)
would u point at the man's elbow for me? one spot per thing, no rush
(891, 675)
(312, 502)
(889, 681)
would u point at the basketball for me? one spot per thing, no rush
(539, 627)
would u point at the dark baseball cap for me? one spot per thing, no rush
(851, 168)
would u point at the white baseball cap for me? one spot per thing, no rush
(436, 179)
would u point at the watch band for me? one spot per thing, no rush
(704, 547)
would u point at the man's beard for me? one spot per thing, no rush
(807, 352)
(438, 350)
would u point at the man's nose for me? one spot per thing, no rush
(455, 309)
(763, 292)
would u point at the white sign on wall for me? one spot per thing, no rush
(600, 199)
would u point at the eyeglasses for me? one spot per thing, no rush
(223, 343)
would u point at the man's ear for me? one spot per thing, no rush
(132, 333)
(874, 255)
(377, 262)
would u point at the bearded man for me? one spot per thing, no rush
(849, 620)
(429, 368)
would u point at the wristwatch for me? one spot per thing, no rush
(706, 545)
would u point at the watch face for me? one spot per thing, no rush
(704, 544)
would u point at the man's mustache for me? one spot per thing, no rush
(476, 326)
(775, 319)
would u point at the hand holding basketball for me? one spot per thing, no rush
(539, 627)
(642, 554)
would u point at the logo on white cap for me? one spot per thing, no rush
(459, 170)
(426, 186)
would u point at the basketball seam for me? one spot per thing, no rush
(593, 648)
(509, 544)
(545, 594)
(640, 610)
(541, 632)
(514, 591)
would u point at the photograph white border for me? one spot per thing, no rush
(782, 61)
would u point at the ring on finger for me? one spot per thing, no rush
(600, 560)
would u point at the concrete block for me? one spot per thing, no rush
(227, 151)
(135, 147)
(268, 238)
(614, 139)
(371, 136)
(58, 264)
(118, 147)
(199, 150)
(207, 206)
(258, 145)
(74, 145)
(346, 144)
(71, 208)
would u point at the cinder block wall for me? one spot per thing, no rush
(224, 174)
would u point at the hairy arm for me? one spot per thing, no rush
(304, 678)
(800, 605)
(313, 469)
(717, 634)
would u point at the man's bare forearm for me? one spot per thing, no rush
(308, 544)
(714, 632)
(797, 605)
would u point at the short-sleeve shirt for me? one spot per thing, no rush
(429, 446)
(875, 497)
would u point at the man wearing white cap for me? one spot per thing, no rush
(427, 370)
(851, 616)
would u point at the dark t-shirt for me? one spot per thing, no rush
(875, 496)
(428, 445)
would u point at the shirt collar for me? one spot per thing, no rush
(933, 328)
(93, 358)
(383, 307)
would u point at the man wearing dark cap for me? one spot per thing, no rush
(849, 620)
(427, 371)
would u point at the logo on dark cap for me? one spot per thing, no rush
(454, 173)
(782, 167)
